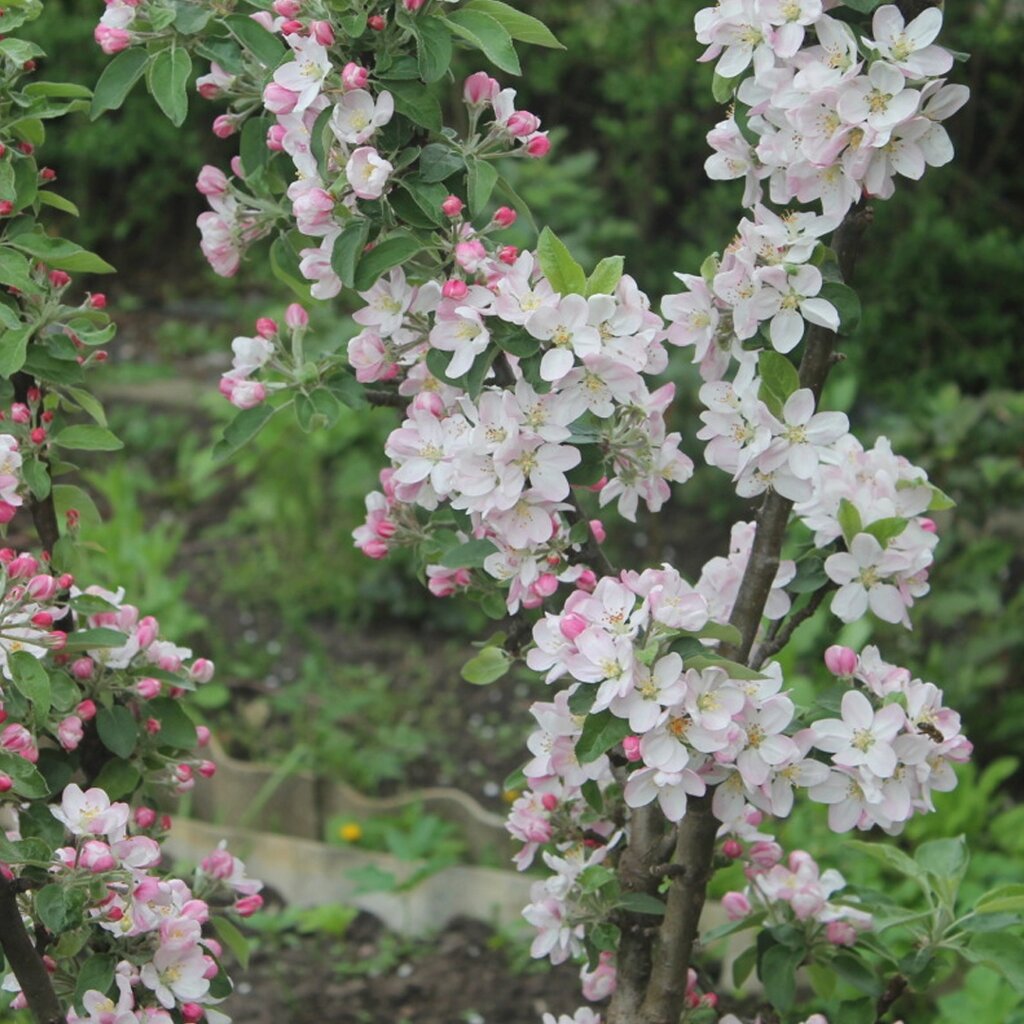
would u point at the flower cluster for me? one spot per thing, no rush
(797, 890)
(155, 923)
(894, 744)
(766, 281)
(823, 116)
(505, 458)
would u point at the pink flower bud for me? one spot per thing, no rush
(522, 123)
(376, 23)
(455, 289)
(37, 435)
(202, 735)
(152, 726)
(766, 854)
(207, 769)
(224, 126)
(86, 710)
(57, 640)
(192, 1013)
(20, 413)
(412, 6)
(43, 619)
(322, 32)
(70, 732)
(41, 588)
(430, 402)
(353, 76)
(538, 146)
(201, 670)
(469, 255)
(545, 584)
(59, 278)
(549, 801)
(275, 137)
(291, 27)
(631, 748)
(374, 548)
(248, 905)
(928, 525)
(572, 625)
(287, 8)
(841, 933)
(266, 328)
(111, 40)
(95, 856)
(508, 254)
(732, 849)
(452, 206)
(505, 216)
(148, 688)
(145, 817)
(296, 317)
(736, 906)
(480, 88)
(65, 580)
(6, 783)
(841, 661)
(279, 100)
(212, 181)
(82, 668)
(597, 530)
(212, 970)
(7, 511)
(586, 580)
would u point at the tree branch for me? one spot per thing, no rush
(24, 960)
(780, 637)
(666, 990)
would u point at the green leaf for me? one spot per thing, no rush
(863, 6)
(601, 732)
(642, 903)
(434, 48)
(31, 680)
(176, 728)
(118, 778)
(382, 257)
(167, 79)
(518, 25)
(416, 103)
(849, 520)
(58, 908)
(847, 304)
(242, 429)
(487, 667)
(68, 496)
(582, 700)
(233, 939)
(733, 669)
(252, 145)
(28, 783)
(889, 855)
(885, 530)
(470, 555)
(15, 271)
(438, 161)
(1002, 899)
(95, 975)
(13, 350)
(89, 404)
(57, 201)
(481, 180)
(940, 500)
(777, 970)
(562, 271)
(943, 858)
(779, 379)
(721, 631)
(284, 264)
(101, 636)
(852, 969)
(428, 197)
(263, 45)
(722, 88)
(118, 79)
(605, 276)
(117, 730)
(488, 35)
(88, 437)
(1003, 951)
(61, 254)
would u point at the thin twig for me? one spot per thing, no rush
(24, 960)
(779, 637)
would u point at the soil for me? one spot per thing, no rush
(370, 977)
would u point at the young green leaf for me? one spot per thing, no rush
(600, 733)
(167, 80)
(523, 27)
(117, 80)
(487, 667)
(562, 271)
(488, 35)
